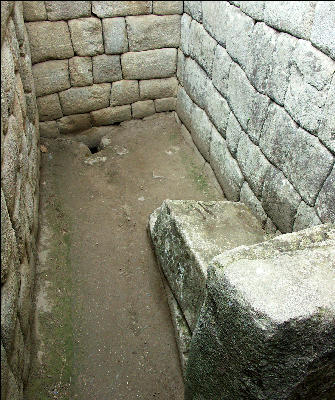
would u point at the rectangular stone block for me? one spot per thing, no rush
(106, 68)
(86, 36)
(115, 35)
(49, 41)
(51, 77)
(217, 109)
(184, 107)
(215, 19)
(196, 82)
(124, 92)
(323, 29)
(167, 7)
(74, 123)
(160, 63)
(151, 32)
(49, 107)
(185, 26)
(221, 67)
(85, 99)
(49, 129)
(105, 9)
(111, 115)
(201, 129)
(142, 109)
(67, 9)
(158, 88)
(81, 71)
(168, 104)
(34, 11)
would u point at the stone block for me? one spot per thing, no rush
(49, 129)
(294, 18)
(142, 109)
(34, 11)
(124, 92)
(180, 66)
(107, 9)
(196, 82)
(167, 104)
(306, 218)
(86, 35)
(325, 205)
(215, 19)
(233, 133)
(51, 77)
(158, 88)
(194, 9)
(323, 29)
(26, 73)
(151, 32)
(49, 107)
(255, 9)
(49, 41)
(268, 314)
(26, 295)
(247, 197)
(326, 132)
(259, 111)
(184, 107)
(187, 234)
(115, 35)
(19, 24)
(85, 99)
(167, 7)
(217, 109)
(4, 372)
(13, 43)
(111, 115)
(8, 77)
(185, 26)
(74, 123)
(106, 68)
(81, 71)
(225, 167)
(201, 128)
(159, 63)
(67, 9)
(31, 106)
(221, 67)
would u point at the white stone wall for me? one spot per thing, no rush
(19, 199)
(257, 93)
(102, 62)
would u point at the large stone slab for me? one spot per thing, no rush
(167, 7)
(158, 88)
(267, 327)
(106, 68)
(51, 77)
(49, 107)
(34, 11)
(196, 82)
(115, 35)
(215, 19)
(107, 9)
(86, 36)
(323, 30)
(81, 71)
(124, 92)
(58, 10)
(187, 234)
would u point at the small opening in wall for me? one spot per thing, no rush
(94, 149)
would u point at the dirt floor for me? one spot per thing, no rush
(102, 321)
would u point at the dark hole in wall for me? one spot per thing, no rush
(94, 149)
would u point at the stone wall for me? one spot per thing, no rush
(102, 62)
(19, 199)
(257, 94)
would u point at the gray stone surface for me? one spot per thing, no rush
(81, 71)
(74, 123)
(105, 9)
(142, 109)
(167, 7)
(111, 115)
(255, 9)
(51, 77)
(194, 8)
(201, 131)
(233, 134)
(323, 30)
(115, 35)
(159, 63)
(258, 114)
(221, 67)
(268, 319)
(152, 32)
(34, 11)
(106, 68)
(184, 107)
(217, 109)
(247, 197)
(325, 204)
(124, 92)
(306, 217)
(196, 82)
(49, 107)
(86, 36)
(180, 66)
(49, 129)
(158, 88)
(67, 9)
(185, 26)
(49, 41)
(326, 132)
(85, 99)
(215, 19)
(188, 234)
(167, 104)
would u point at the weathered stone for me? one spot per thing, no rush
(326, 132)
(49, 107)
(34, 11)
(8, 77)
(13, 43)
(151, 32)
(259, 111)
(158, 88)
(306, 217)
(111, 115)
(201, 131)
(184, 107)
(180, 66)
(86, 35)
(255, 9)
(196, 82)
(49, 129)
(67, 10)
(51, 77)
(221, 67)
(185, 26)
(215, 19)
(159, 63)
(105, 9)
(233, 134)
(217, 109)
(14, 388)
(85, 99)
(31, 106)
(167, 7)
(294, 18)
(19, 23)
(115, 35)
(268, 318)
(167, 104)
(4, 372)
(25, 296)
(74, 123)
(49, 41)
(81, 71)
(188, 234)
(142, 109)
(124, 92)
(225, 167)
(323, 30)
(325, 205)
(106, 68)
(194, 9)
(247, 197)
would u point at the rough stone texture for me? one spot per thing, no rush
(221, 67)
(233, 134)
(115, 35)
(153, 32)
(85, 99)
(326, 131)
(159, 63)
(81, 71)
(49, 107)
(124, 92)
(49, 41)
(254, 9)
(184, 107)
(105, 9)
(180, 67)
(167, 7)
(201, 131)
(51, 77)
(325, 205)
(196, 82)
(268, 318)
(215, 19)
(34, 11)
(306, 217)
(217, 109)
(49, 129)
(111, 115)
(167, 104)
(67, 9)
(106, 68)
(247, 197)
(158, 88)
(323, 30)
(185, 26)
(142, 109)
(194, 8)
(188, 234)
(74, 123)
(86, 36)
